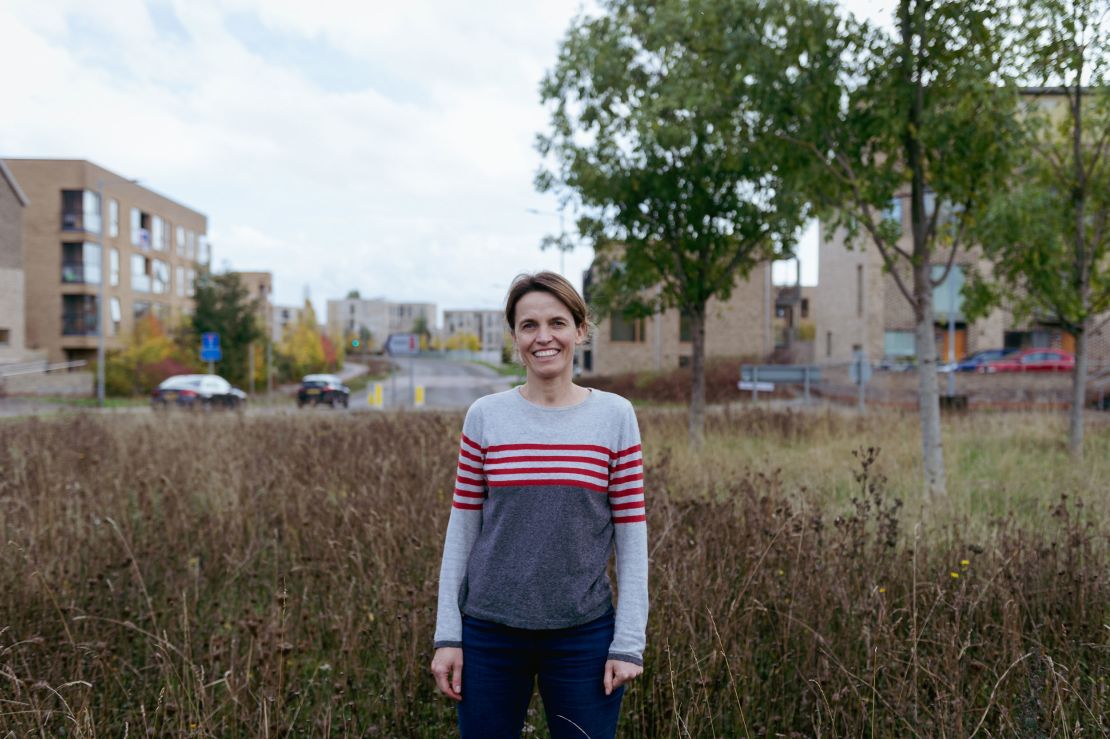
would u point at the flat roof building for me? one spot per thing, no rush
(84, 224)
(12, 204)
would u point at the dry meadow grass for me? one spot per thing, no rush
(226, 576)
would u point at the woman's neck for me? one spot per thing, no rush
(554, 392)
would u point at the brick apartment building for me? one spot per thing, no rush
(84, 223)
(859, 306)
(260, 289)
(12, 204)
(739, 327)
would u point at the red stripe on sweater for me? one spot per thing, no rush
(627, 478)
(552, 458)
(627, 506)
(625, 493)
(629, 450)
(545, 483)
(554, 447)
(469, 494)
(467, 506)
(547, 470)
(630, 519)
(467, 455)
(467, 440)
(628, 465)
(468, 468)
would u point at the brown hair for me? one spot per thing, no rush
(548, 282)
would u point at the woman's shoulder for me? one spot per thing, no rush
(611, 401)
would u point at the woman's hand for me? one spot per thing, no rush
(617, 673)
(447, 667)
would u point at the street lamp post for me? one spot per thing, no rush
(100, 322)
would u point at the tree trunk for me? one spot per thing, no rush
(697, 370)
(928, 391)
(1078, 393)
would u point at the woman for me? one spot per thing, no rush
(550, 478)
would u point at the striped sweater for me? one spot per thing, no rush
(542, 496)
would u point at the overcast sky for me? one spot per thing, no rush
(379, 146)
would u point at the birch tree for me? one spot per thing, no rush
(920, 114)
(1048, 235)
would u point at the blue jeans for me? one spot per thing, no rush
(501, 664)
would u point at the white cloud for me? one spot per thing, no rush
(409, 180)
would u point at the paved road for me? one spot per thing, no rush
(447, 384)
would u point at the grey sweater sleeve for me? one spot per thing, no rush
(462, 531)
(628, 510)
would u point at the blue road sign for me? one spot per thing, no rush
(402, 344)
(210, 347)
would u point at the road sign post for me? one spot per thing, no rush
(210, 350)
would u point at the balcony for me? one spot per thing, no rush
(79, 324)
(80, 273)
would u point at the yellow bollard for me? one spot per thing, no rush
(376, 398)
(418, 396)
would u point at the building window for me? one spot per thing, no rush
(113, 218)
(113, 267)
(685, 330)
(139, 309)
(179, 241)
(898, 344)
(79, 315)
(893, 211)
(5, 336)
(160, 277)
(181, 282)
(948, 295)
(81, 263)
(116, 314)
(683, 361)
(805, 307)
(203, 254)
(158, 233)
(80, 211)
(191, 282)
(140, 228)
(190, 245)
(140, 273)
(828, 343)
(625, 329)
(859, 290)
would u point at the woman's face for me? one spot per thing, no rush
(545, 335)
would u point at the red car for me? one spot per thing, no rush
(1033, 360)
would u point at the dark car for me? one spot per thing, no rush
(1032, 360)
(197, 391)
(326, 389)
(972, 362)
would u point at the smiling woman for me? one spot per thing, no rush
(549, 483)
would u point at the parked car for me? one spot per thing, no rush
(197, 391)
(972, 362)
(1032, 360)
(327, 389)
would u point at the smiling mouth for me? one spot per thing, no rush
(544, 353)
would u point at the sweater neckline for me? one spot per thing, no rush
(557, 408)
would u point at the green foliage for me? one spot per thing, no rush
(224, 306)
(149, 357)
(654, 135)
(304, 350)
(1047, 234)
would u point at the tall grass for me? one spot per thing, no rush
(276, 576)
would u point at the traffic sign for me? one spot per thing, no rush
(402, 344)
(210, 347)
